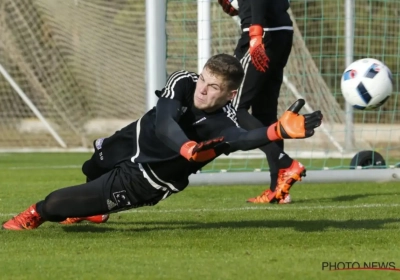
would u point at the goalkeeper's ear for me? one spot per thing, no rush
(296, 106)
(232, 94)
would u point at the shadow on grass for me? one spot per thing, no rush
(301, 226)
(345, 198)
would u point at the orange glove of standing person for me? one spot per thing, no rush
(258, 55)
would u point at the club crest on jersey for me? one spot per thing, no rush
(99, 143)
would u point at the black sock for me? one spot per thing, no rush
(277, 159)
(39, 208)
(274, 178)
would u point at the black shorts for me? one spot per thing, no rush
(260, 90)
(126, 187)
(110, 151)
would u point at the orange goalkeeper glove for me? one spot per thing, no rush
(291, 125)
(227, 7)
(203, 151)
(258, 55)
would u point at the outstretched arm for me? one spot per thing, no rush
(291, 125)
(240, 139)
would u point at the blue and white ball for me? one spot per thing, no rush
(366, 84)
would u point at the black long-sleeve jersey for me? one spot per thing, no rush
(155, 140)
(267, 13)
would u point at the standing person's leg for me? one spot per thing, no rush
(284, 170)
(260, 90)
(264, 108)
(264, 105)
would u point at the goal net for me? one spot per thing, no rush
(81, 64)
(74, 70)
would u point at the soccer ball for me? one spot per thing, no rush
(235, 4)
(366, 84)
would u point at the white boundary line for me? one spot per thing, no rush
(273, 208)
(42, 167)
(75, 166)
(251, 208)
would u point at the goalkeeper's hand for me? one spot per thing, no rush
(292, 125)
(203, 151)
(227, 7)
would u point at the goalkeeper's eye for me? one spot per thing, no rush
(216, 87)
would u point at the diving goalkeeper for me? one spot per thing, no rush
(153, 157)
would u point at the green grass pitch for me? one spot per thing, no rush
(201, 233)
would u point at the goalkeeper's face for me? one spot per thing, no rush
(211, 92)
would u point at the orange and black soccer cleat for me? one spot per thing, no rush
(287, 177)
(98, 219)
(29, 219)
(268, 196)
(286, 199)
